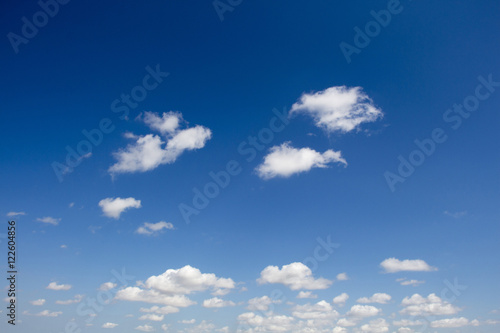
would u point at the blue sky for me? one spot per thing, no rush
(357, 191)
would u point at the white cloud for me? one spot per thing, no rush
(295, 276)
(10, 214)
(145, 328)
(152, 317)
(362, 311)
(413, 283)
(455, 215)
(376, 326)
(431, 305)
(47, 313)
(261, 303)
(38, 302)
(450, 322)
(187, 322)
(162, 311)
(76, 299)
(406, 322)
(306, 294)
(285, 161)
(55, 286)
(217, 303)
(64, 246)
(49, 220)
(340, 299)
(109, 325)
(154, 228)
(380, 298)
(135, 294)
(342, 277)
(107, 286)
(338, 109)
(393, 265)
(114, 207)
(345, 322)
(405, 330)
(272, 323)
(320, 310)
(150, 151)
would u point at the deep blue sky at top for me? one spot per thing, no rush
(228, 76)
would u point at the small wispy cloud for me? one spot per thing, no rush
(10, 214)
(49, 220)
(455, 215)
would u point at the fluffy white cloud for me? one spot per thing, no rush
(217, 303)
(114, 207)
(152, 317)
(413, 283)
(362, 311)
(406, 322)
(306, 294)
(450, 322)
(55, 286)
(38, 302)
(145, 328)
(393, 265)
(154, 228)
(346, 322)
(136, 294)
(381, 298)
(76, 299)
(342, 277)
(109, 325)
(10, 214)
(107, 286)
(285, 160)
(295, 276)
(340, 299)
(49, 220)
(150, 151)
(251, 322)
(338, 109)
(376, 326)
(47, 313)
(188, 322)
(261, 303)
(320, 310)
(431, 305)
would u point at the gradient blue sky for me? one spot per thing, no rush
(228, 76)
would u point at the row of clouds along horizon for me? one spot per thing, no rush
(169, 292)
(336, 110)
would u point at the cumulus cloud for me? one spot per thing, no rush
(47, 313)
(380, 298)
(49, 220)
(76, 299)
(38, 302)
(378, 325)
(152, 317)
(342, 277)
(320, 310)
(393, 265)
(413, 283)
(285, 161)
(109, 325)
(338, 109)
(150, 151)
(306, 294)
(187, 322)
(55, 286)
(340, 299)
(160, 310)
(154, 228)
(295, 276)
(432, 305)
(217, 303)
(114, 207)
(362, 311)
(272, 323)
(171, 287)
(107, 286)
(10, 214)
(261, 303)
(450, 322)
(145, 328)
